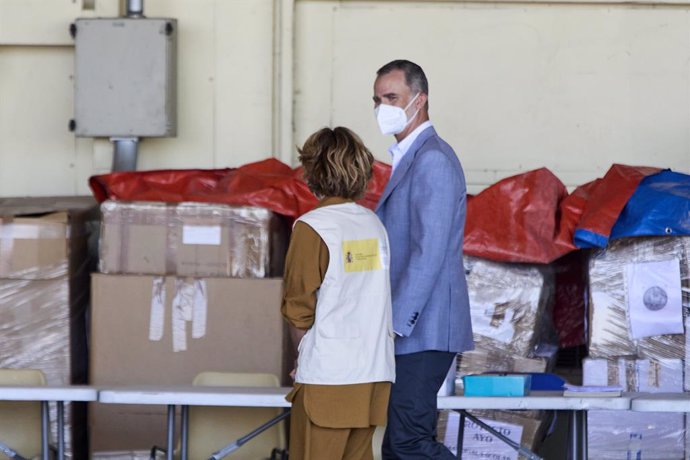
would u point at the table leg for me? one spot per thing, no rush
(171, 432)
(45, 431)
(461, 434)
(583, 434)
(61, 429)
(184, 433)
(578, 435)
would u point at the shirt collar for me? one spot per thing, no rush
(398, 150)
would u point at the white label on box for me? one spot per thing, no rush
(654, 298)
(495, 322)
(201, 234)
(478, 443)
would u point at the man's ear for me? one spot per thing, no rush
(421, 100)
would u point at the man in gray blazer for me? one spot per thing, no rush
(423, 209)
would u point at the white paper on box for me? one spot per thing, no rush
(654, 298)
(157, 315)
(477, 442)
(200, 309)
(492, 325)
(182, 307)
(201, 234)
(190, 304)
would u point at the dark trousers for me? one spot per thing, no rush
(412, 411)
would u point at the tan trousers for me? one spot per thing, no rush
(312, 442)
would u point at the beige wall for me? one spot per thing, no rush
(514, 86)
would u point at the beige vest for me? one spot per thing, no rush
(351, 340)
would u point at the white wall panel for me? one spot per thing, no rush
(225, 92)
(46, 22)
(196, 88)
(37, 153)
(513, 87)
(224, 87)
(244, 94)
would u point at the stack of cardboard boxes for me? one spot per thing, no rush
(182, 288)
(510, 306)
(44, 294)
(625, 350)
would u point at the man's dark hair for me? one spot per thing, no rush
(414, 75)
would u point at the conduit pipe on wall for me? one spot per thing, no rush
(126, 150)
(283, 44)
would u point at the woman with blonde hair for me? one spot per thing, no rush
(336, 297)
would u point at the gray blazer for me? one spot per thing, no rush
(423, 208)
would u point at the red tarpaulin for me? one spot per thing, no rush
(269, 184)
(528, 217)
(515, 220)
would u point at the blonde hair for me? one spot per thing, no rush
(336, 163)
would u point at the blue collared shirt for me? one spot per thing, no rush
(398, 150)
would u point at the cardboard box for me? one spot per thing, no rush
(44, 294)
(620, 435)
(192, 239)
(635, 375)
(615, 434)
(480, 444)
(232, 325)
(609, 317)
(510, 305)
(45, 238)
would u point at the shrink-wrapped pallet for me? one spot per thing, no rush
(619, 435)
(509, 304)
(614, 297)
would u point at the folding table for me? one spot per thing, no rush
(46, 393)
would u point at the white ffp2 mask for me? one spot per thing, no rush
(393, 120)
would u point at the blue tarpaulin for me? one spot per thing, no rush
(660, 206)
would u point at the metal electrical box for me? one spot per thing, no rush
(125, 82)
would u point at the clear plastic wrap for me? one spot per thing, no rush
(510, 305)
(635, 375)
(44, 294)
(614, 435)
(191, 239)
(609, 325)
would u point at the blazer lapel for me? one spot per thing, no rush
(405, 164)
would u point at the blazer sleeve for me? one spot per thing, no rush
(435, 196)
